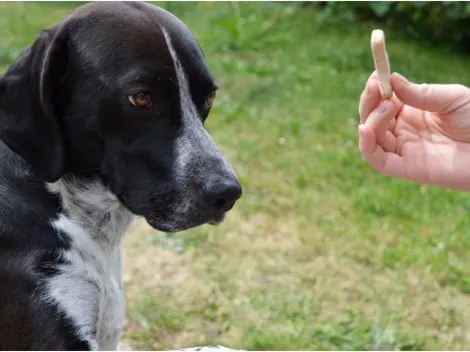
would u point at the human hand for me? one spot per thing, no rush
(422, 133)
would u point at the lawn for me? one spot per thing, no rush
(321, 253)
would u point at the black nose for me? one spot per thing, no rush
(221, 193)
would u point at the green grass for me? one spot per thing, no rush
(321, 252)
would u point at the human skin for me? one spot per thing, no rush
(421, 134)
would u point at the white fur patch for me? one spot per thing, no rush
(193, 137)
(195, 149)
(88, 288)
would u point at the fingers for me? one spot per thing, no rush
(377, 143)
(390, 143)
(439, 98)
(388, 163)
(382, 117)
(370, 97)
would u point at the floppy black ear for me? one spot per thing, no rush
(29, 124)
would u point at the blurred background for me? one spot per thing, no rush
(321, 253)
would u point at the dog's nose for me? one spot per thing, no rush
(221, 192)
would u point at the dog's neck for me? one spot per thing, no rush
(89, 204)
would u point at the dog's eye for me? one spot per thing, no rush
(141, 100)
(210, 99)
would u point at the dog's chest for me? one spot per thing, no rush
(88, 287)
(88, 284)
(113, 311)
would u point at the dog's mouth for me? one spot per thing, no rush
(168, 213)
(183, 224)
(217, 220)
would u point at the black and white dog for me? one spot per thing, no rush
(101, 119)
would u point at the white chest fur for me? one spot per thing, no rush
(88, 287)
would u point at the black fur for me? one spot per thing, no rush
(64, 110)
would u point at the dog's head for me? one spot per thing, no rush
(121, 90)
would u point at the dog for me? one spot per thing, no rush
(101, 119)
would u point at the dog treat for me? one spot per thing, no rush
(382, 65)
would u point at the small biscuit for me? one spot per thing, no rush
(382, 65)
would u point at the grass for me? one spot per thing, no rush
(321, 253)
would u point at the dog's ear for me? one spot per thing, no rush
(29, 90)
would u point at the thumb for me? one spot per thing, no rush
(438, 98)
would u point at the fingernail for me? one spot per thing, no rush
(385, 106)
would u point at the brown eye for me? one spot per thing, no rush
(210, 98)
(141, 100)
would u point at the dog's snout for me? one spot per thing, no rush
(221, 192)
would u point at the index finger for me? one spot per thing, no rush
(370, 97)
